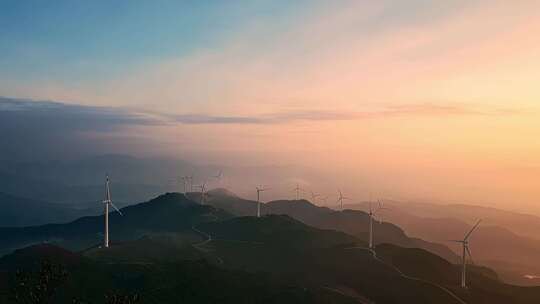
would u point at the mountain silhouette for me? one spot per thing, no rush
(19, 212)
(296, 252)
(197, 281)
(171, 212)
(512, 255)
(352, 222)
(198, 253)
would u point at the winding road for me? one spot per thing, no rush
(208, 239)
(408, 277)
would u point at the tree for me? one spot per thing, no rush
(38, 287)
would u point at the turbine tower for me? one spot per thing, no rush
(108, 202)
(259, 190)
(185, 180)
(203, 192)
(371, 216)
(190, 179)
(340, 199)
(297, 189)
(466, 251)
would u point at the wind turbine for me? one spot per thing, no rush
(203, 192)
(259, 190)
(314, 196)
(371, 216)
(184, 182)
(108, 202)
(297, 189)
(340, 199)
(466, 251)
(190, 180)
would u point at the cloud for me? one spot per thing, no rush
(416, 110)
(46, 129)
(52, 130)
(341, 55)
(272, 118)
(70, 116)
(196, 119)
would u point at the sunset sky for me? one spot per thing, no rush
(412, 100)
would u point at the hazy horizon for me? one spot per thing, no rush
(408, 100)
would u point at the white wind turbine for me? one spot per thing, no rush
(297, 189)
(190, 180)
(203, 192)
(466, 251)
(259, 190)
(185, 180)
(340, 199)
(371, 216)
(108, 202)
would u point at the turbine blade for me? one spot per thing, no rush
(117, 210)
(473, 228)
(470, 255)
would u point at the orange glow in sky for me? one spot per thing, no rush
(440, 105)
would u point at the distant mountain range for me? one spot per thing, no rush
(159, 245)
(19, 212)
(75, 196)
(425, 226)
(355, 223)
(80, 181)
(522, 224)
(172, 249)
(499, 241)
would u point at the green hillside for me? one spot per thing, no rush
(89, 280)
(171, 212)
(394, 275)
(173, 249)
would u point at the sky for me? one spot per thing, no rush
(412, 100)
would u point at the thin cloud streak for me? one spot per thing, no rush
(419, 110)
(105, 118)
(82, 117)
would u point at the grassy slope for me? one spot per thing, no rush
(171, 212)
